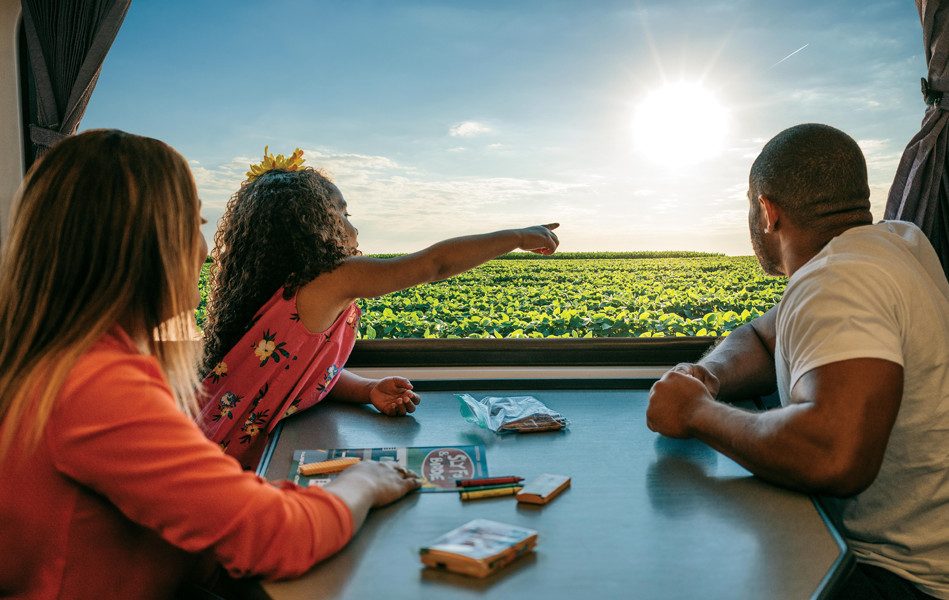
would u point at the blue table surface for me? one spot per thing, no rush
(645, 517)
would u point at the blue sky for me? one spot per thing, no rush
(445, 118)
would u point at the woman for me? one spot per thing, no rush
(111, 490)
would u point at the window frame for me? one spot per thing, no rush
(428, 353)
(546, 352)
(13, 103)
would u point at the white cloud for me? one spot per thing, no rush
(217, 184)
(878, 196)
(400, 208)
(826, 95)
(469, 129)
(334, 163)
(882, 158)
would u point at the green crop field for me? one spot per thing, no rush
(583, 295)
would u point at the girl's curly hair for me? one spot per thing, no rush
(280, 229)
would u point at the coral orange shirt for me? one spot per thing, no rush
(124, 497)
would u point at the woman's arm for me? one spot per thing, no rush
(371, 484)
(163, 474)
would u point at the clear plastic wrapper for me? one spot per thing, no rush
(508, 414)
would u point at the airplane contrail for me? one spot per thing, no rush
(789, 56)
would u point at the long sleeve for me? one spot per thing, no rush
(116, 430)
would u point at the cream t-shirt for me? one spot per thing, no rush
(878, 291)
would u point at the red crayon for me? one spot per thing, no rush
(487, 481)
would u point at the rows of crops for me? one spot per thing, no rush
(592, 255)
(612, 297)
(580, 298)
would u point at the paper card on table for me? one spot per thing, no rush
(439, 466)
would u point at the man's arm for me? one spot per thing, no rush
(742, 365)
(830, 439)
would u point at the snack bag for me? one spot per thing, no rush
(521, 414)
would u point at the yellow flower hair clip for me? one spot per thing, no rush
(292, 163)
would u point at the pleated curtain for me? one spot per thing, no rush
(920, 191)
(67, 41)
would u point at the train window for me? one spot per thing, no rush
(631, 124)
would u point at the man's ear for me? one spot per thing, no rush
(771, 213)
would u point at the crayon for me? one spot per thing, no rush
(490, 493)
(479, 488)
(327, 466)
(479, 481)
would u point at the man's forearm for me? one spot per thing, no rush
(780, 445)
(743, 364)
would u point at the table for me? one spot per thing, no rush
(646, 516)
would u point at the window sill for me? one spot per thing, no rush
(556, 352)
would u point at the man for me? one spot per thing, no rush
(858, 349)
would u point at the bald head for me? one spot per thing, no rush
(817, 175)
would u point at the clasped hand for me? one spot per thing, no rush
(675, 398)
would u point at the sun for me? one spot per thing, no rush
(680, 124)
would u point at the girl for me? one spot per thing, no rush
(281, 317)
(110, 488)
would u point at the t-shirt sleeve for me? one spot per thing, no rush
(840, 312)
(118, 432)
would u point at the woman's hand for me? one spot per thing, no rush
(371, 484)
(393, 396)
(386, 481)
(539, 239)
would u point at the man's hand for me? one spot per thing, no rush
(393, 396)
(673, 401)
(700, 373)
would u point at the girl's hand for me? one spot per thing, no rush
(539, 239)
(393, 396)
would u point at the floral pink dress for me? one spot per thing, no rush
(278, 368)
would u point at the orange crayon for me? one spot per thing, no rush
(328, 466)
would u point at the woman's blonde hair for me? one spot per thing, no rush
(106, 231)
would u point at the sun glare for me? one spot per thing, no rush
(679, 124)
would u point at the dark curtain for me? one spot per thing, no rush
(920, 191)
(67, 40)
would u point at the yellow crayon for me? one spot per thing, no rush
(508, 491)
